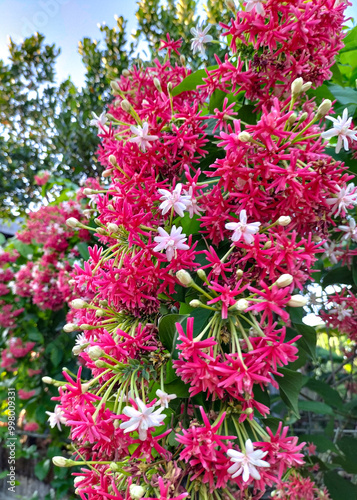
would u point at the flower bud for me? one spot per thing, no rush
(201, 274)
(184, 277)
(284, 280)
(103, 303)
(100, 363)
(244, 136)
(292, 119)
(70, 327)
(113, 228)
(136, 491)
(107, 173)
(113, 160)
(182, 60)
(267, 245)
(47, 380)
(324, 108)
(100, 313)
(241, 305)
(88, 191)
(239, 273)
(114, 86)
(231, 5)
(303, 117)
(77, 349)
(297, 301)
(296, 86)
(72, 222)
(284, 220)
(95, 352)
(169, 87)
(61, 462)
(195, 303)
(306, 87)
(125, 72)
(79, 304)
(78, 479)
(114, 467)
(101, 231)
(157, 84)
(125, 105)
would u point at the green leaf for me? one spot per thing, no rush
(23, 249)
(216, 100)
(338, 275)
(168, 332)
(192, 81)
(315, 407)
(330, 395)
(177, 387)
(42, 468)
(246, 114)
(289, 387)
(308, 340)
(2, 239)
(83, 250)
(190, 226)
(348, 446)
(338, 487)
(34, 334)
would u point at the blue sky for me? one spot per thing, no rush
(65, 22)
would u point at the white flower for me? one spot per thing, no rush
(341, 130)
(174, 200)
(142, 138)
(341, 311)
(170, 242)
(350, 230)
(242, 229)
(142, 419)
(164, 398)
(191, 203)
(258, 4)
(247, 462)
(343, 200)
(331, 252)
(199, 39)
(99, 121)
(56, 417)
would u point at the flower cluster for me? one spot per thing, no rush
(207, 232)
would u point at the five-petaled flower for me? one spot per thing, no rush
(164, 398)
(200, 38)
(257, 4)
(142, 138)
(341, 130)
(99, 121)
(344, 199)
(174, 200)
(170, 242)
(142, 419)
(247, 462)
(56, 417)
(242, 229)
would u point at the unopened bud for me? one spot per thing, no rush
(72, 222)
(107, 173)
(88, 191)
(316, 238)
(125, 72)
(157, 84)
(284, 280)
(103, 303)
(78, 479)
(47, 380)
(61, 462)
(296, 86)
(241, 305)
(115, 87)
(79, 304)
(100, 363)
(114, 467)
(77, 349)
(195, 303)
(284, 220)
(95, 352)
(184, 277)
(292, 119)
(100, 313)
(113, 228)
(113, 160)
(169, 87)
(70, 327)
(201, 274)
(101, 231)
(297, 301)
(324, 108)
(125, 105)
(267, 245)
(303, 117)
(136, 491)
(306, 87)
(182, 60)
(244, 136)
(231, 5)
(239, 273)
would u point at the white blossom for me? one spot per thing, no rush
(341, 130)
(99, 121)
(257, 4)
(344, 199)
(200, 38)
(142, 419)
(242, 229)
(350, 230)
(191, 203)
(247, 462)
(331, 252)
(56, 417)
(142, 138)
(170, 242)
(174, 200)
(164, 398)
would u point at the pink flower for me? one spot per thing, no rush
(165, 494)
(31, 426)
(170, 242)
(242, 229)
(26, 394)
(142, 138)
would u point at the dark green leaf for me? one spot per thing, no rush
(338, 487)
(321, 442)
(338, 275)
(315, 407)
(83, 250)
(289, 386)
(42, 468)
(192, 81)
(168, 332)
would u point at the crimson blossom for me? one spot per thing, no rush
(208, 230)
